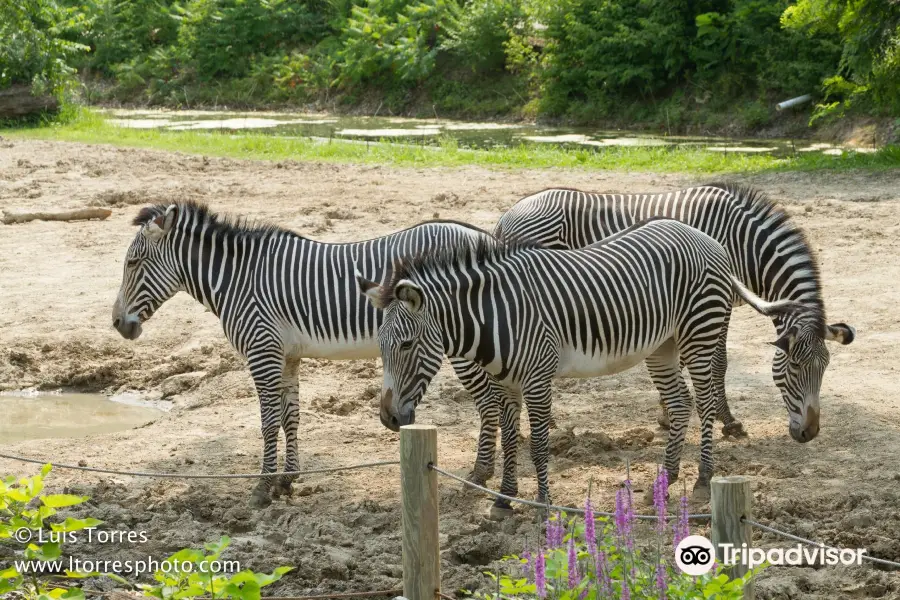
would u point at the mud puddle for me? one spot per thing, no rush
(30, 416)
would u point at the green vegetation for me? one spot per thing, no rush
(36, 46)
(600, 559)
(665, 64)
(189, 573)
(89, 127)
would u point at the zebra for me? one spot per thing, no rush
(657, 291)
(280, 297)
(767, 252)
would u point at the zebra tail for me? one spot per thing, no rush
(764, 307)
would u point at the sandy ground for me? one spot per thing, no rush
(341, 532)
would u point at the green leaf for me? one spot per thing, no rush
(71, 524)
(9, 573)
(61, 500)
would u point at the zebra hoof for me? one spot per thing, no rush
(663, 421)
(498, 513)
(282, 488)
(500, 510)
(260, 498)
(734, 429)
(700, 493)
(479, 476)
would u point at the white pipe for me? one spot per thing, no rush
(793, 102)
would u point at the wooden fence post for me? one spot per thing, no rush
(731, 501)
(419, 491)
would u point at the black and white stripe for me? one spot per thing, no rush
(767, 252)
(658, 291)
(280, 297)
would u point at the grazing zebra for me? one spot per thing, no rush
(280, 297)
(656, 292)
(768, 253)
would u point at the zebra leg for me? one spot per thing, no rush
(266, 371)
(290, 406)
(700, 369)
(485, 392)
(537, 399)
(509, 437)
(730, 425)
(664, 368)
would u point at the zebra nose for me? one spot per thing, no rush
(117, 322)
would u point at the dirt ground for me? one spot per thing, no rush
(341, 532)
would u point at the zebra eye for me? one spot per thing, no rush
(133, 262)
(406, 345)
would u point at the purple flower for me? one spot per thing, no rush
(625, 516)
(661, 583)
(573, 564)
(526, 555)
(555, 532)
(626, 593)
(681, 527)
(660, 491)
(602, 573)
(540, 576)
(590, 532)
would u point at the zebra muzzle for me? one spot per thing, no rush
(129, 327)
(388, 418)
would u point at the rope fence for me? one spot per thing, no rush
(202, 476)
(570, 510)
(784, 534)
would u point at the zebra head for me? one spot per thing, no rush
(150, 277)
(411, 348)
(801, 357)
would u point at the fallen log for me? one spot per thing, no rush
(17, 101)
(79, 214)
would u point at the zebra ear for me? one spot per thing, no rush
(370, 290)
(786, 340)
(840, 332)
(409, 293)
(161, 225)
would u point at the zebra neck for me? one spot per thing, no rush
(217, 269)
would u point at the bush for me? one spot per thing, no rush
(868, 74)
(35, 45)
(483, 31)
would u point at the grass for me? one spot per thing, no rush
(87, 126)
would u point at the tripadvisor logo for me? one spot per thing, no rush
(695, 555)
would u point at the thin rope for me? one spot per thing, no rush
(565, 509)
(344, 595)
(200, 476)
(795, 538)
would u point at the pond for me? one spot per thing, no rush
(483, 135)
(29, 416)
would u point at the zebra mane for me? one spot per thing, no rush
(241, 225)
(756, 201)
(486, 248)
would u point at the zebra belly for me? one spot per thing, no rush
(298, 344)
(577, 364)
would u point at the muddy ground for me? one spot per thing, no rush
(341, 532)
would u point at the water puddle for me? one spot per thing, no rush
(431, 132)
(31, 416)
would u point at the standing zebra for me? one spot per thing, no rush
(656, 292)
(767, 252)
(280, 298)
